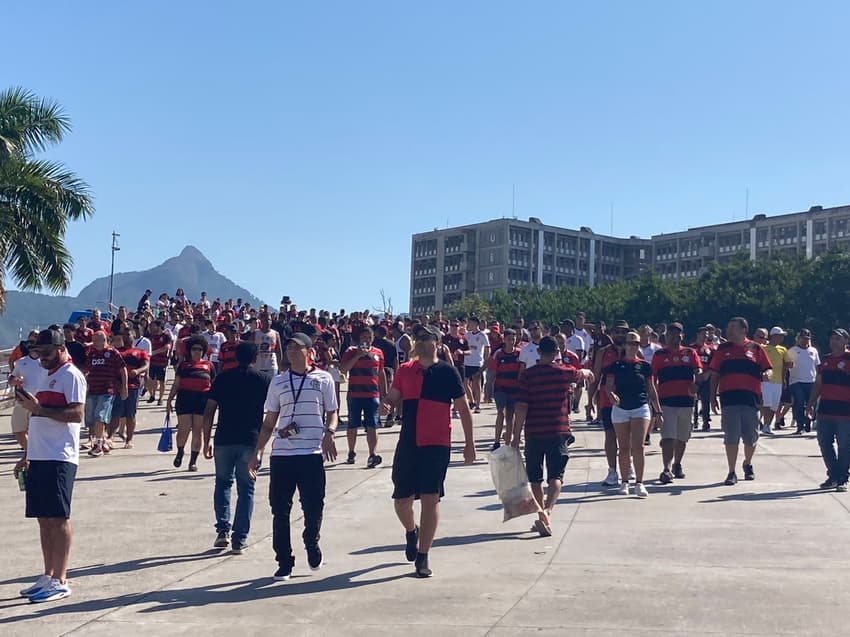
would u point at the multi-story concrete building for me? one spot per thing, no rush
(501, 254)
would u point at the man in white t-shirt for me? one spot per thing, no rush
(804, 361)
(528, 355)
(301, 414)
(28, 374)
(647, 347)
(269, 351)
(214, 340)
(479, 351)
(582, 333)
(51, 459)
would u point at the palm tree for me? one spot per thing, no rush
(37, 197)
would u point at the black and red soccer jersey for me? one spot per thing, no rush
(570, 359)
(195, 375)
(546, 390)
(363, 377)
(740, 368)
(705, 352)
(456, 344)
(674, 369)
(427, 395)
(227, 356)
(103, 370)
(610, 355)
(134, 359)
(84, 335)
(835, 387)
(157, 342)
(506, 367)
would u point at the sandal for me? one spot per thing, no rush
(542, 528)
(128, 445)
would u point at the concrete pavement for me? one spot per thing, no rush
(762, 558)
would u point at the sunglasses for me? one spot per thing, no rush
(620, 330)
(634, 343)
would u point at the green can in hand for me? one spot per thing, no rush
(22, 479)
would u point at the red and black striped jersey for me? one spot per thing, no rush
(506, 367)
(103, 370)
(674, 369)
(740, 369)
(363, 377)
(835, 387)
(159, 341)
(195, 376)
(546, 389)
(134, 359)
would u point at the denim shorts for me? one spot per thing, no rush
(618, 414)
(363, 411)
(504, 400)
(98, 408)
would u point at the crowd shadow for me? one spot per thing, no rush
(224, 593)
(791, 494)
(452, 540)
(129, 474)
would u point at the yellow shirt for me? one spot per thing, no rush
(778, 355)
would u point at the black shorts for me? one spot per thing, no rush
(471, 372)
(785, 398)
(461, 370)
(126, 408)
(157, 373)
(419, 470)
(605, 417)
(50, 485)
(553, 451)
(191, 402)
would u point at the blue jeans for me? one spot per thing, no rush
(829, 430)
(233, 460)
(800, 393)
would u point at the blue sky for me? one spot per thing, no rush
(300, 145)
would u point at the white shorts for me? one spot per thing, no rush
(625, 415)
(20, 419)
(334, 372)
(771, 393)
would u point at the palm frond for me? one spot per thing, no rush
(30, 124)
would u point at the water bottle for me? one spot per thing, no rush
(22, 479)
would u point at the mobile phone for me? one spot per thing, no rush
(23, 392)
(364, 345)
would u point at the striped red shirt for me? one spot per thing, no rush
(506, 367)
(103, 370)
(227, 356)
(134, 359)
(674, 369)
(158, 341)
(610, 355)
(740, 368)
(195, 375)
(546, 390)
(363, 377)
(835, 387)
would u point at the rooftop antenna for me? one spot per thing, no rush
(513, 200)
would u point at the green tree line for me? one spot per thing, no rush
(790, 291)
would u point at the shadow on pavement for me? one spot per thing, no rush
(772, 495)
(455, 540)
(131, 474)
(225, 593)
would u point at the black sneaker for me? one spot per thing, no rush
(677, 472)
(696, 426)
(571, 439)
(351, 456)
(373, 462)
(178, 459)
(706, 427)
(829, 483)
(647, 441)
(808, 427)
(222, 540)
(780, 424)
(151, 399)
(411, 544)
(749, 474)
(495, 446)
(422, 569)
(284, 571)
(731, 479)
(314, 557)
(799, 432)
(238, 548)
(666, 477)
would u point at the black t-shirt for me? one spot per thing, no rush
(388, 350)
(630, 379)
(77, 352)
(241, 395)
(283, 329)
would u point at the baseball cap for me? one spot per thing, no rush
(426, 331)
(547, 345)
(804, 332)
(302, 339)
(50, 337)
(621, 324)
(632, 337)
(675, 325)
(777, 330)
(841, 332)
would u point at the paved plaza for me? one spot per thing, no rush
(762, 558)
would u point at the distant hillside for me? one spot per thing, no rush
(190, 270)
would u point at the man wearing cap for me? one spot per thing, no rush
(738, 368)
(529, 355)
(51, 460)
(804, 360)
(301, 416)
(674, 368)
(428, 387)
(830, 405)
(771, 390)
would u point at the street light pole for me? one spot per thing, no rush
(115, 249)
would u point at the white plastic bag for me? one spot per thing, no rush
(511, 482)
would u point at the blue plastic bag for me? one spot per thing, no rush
(165, 443)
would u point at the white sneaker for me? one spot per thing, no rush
(624, 488)
(50, 593)
(41, 582)
(612, 480)
(631, 474)
(640, 490)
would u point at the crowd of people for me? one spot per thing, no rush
(244, 376)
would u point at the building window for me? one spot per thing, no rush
(492, 257)
(492, 237)
(491, 277)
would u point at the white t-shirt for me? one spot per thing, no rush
(805, 368)
(476, 341)
(50, 439)
(267, 343)
(576, 344)
(529, 355)
(649, 351)
(31, 371)
(214, 341)
(143, 344)
(584, 336)
(317, 396)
